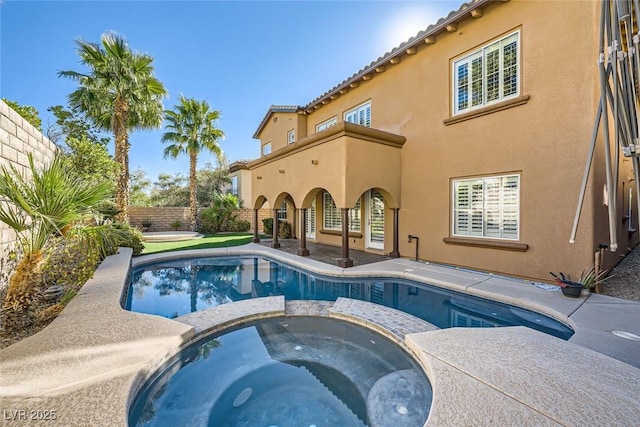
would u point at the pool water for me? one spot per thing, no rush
(297, 372)
(175, 288)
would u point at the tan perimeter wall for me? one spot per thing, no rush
(17, 139)
(162, 218)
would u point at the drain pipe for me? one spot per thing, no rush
(411, 237)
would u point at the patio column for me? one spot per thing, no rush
(345, 261)
(395, 253)
(256, 236)
(303, 251)
(275, 243)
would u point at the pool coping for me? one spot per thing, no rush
(87, 368)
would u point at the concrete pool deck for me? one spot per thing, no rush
(85, 368)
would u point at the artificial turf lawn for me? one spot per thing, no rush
(208, 241)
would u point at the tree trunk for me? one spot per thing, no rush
(22, 292)
(193, 203)
(120, 133)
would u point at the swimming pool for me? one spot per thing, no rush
(288, 372)
(178, 287)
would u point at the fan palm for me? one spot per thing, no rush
(53, 202)
(119, 94)
(191, 130)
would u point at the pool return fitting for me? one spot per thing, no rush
(411, 237)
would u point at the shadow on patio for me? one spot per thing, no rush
(326, 253)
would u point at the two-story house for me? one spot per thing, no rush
(471, 136)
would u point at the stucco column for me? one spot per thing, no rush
(256, 236)
(275, 243)
(345, 261)
(303, 251)
(395, 253)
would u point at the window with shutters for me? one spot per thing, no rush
(326, 124)
(361, 115)
(332, 216)
(487, 207)
(487, 75)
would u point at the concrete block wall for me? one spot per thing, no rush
(162, 217)
(18, 138)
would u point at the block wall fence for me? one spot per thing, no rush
(163, 218)
(18, 138)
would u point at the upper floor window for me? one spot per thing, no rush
(291, 136)
(234, 185)
(266, 149)
(487, 75)
(332, 216)
(326, 124)
(361, 115)
(487, 207)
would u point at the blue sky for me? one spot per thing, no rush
(240, 56)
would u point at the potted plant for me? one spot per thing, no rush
(175, 225)
(146, 224)
(581, 287)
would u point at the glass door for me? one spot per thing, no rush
(375, 220)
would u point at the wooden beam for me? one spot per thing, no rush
(412, 51)
(430, 40)
(395, 60)
(381, 69)
(452, 28)
(354, 85)
(476, 13)
(367, 77)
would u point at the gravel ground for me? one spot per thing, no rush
(624, 279)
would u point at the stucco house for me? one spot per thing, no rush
(471, 136)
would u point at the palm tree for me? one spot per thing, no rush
(190, 130)
(119, 94)
(53, 202)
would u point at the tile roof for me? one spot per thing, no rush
(275, 109)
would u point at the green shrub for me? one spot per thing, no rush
(239, 225)
(127, 237)
(209, 222)
(267, 225)
(284, 230)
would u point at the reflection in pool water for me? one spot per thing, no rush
(175, 288)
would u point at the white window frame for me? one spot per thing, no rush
(326, 124)
(266, 149)
(491, 210)
(234, 185)
(291, 136)
(282, 212)
(332, 216)
(474, 82)
(360, 115)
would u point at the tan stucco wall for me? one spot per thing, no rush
(277, 127)
(545, 140)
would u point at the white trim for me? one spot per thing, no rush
(505, 210)
(326, 124)
(360, 115)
